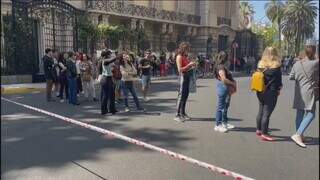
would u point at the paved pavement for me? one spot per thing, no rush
(35, 146)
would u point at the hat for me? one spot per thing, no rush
(311, 42)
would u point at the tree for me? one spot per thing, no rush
(298, 22)
(274, 11)
(268, 34)
(246, 13)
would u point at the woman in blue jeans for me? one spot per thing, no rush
(305, 72)
(129, 74)
(226, 86)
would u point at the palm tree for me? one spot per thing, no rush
(274, 10)
(246, 13)
(298, 22)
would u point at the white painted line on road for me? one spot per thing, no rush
(138, 143)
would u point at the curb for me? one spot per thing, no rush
(20, 90)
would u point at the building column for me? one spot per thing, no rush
(105, 18)
(141, 24)
(133, 24)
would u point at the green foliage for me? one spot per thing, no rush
(299, 21)
(274, 11)
(268, 33)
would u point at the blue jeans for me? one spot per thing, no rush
(72, 86)
(223, 103)
(303, 119)
(127, 86)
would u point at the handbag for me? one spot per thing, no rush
(314, 86)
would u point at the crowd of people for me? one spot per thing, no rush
(71, 74)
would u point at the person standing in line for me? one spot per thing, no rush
(49, 70)
(107, 86)
(87, 78)
(225, 87)
(79, 80)
(63, 76)
(129, 75)
(56, 72)
(145, 66)
(162, 64)
(185, 67)
(72, 78)
(116, 76)
(305, 73)
(270, 65)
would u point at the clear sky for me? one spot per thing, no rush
(261, 17)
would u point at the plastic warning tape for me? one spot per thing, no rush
(139, 143)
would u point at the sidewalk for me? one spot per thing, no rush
(39, 87)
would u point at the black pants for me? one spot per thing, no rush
(107, 95)
(79, 84)
(63, 86)
(267, 103)
(183, 94)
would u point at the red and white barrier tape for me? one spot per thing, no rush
(139, 143)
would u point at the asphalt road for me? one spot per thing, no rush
(36, 146)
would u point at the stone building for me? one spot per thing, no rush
(210, 26)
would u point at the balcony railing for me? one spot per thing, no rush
(126, 8)
(222, 20)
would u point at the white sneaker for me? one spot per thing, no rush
(179, 119)
(297, 139)
(62, 100)
(146, 99)
(126, 110)
(228, 126)
(221, 128)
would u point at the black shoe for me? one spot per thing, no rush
(95, 99)
(76, 104)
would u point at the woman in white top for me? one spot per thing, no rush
(129, 75)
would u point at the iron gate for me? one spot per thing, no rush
(33, 26)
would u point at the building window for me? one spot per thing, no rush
(222, 20)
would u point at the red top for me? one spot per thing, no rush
(185, 61)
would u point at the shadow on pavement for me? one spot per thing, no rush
(30, 139)
(308, 140)
(211, 119)
(251, 129)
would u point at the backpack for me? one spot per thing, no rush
(116, 73)
(257, 81)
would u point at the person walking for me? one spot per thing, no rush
(49, 71)
(305, 73)
(225, 87)
(270, 65)
(145, 66)
(63, 76)
(129, 75)
(184, 66)
(87, 71)
(107, 86)
(72, 78)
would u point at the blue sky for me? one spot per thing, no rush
(261, 17)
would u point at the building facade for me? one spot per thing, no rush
(209, 26)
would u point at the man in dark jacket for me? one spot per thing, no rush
(48, 68)
(72, 78)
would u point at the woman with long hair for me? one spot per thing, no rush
(225, 87)
(270, 65)
(129, 75)
(184, 66)
(305, 73)
(87, 71)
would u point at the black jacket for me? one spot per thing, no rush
(273, 78)
(71, 68)
(48, 67)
